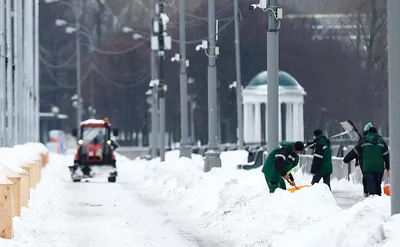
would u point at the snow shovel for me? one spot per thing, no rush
(350, 129)
(386, 187)
(293, 189)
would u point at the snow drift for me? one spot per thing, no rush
(239, 204)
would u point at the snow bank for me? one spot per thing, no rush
(3, 179)
(41, 224)
(362, 225)
(238, 203)
(14, 157)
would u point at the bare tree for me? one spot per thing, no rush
(367, 41)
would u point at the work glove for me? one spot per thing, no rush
(287, 178)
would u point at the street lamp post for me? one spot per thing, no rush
(275, 15)
(154, 105)
(239, 89)
(238, 79)
(192, 108)
(184, 147)
(212, 51)
(78, 57)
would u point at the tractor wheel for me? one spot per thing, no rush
(112, 179)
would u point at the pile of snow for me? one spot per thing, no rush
(37, 146)
(239, 204)
(14, 157)
(42, 223)
(3, 179)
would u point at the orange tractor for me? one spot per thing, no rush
(95, 154)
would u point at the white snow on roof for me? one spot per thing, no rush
(93, 121)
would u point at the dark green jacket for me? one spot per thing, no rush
(374, 153)
(322, 161)
(280, 162)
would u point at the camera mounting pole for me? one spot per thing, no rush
(212, 156)
(273, 79)
(275, 15)
(161, 42)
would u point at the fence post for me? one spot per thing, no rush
(16, 190)
(25, 189)
(34, 174)
(27, 168)
(6, 211)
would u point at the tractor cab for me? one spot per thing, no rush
(95, 152)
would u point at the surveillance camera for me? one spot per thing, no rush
(253, 6)
(199, 47)
(262, 4)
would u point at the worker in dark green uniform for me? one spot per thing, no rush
(321, 166)
(280, 163)
(374, 153)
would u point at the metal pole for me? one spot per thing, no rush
(30, 66)
(161, 54)
(20, 68)
(394, 100)
(162, 126)
(37, 75)
(17, 74)
(185, 148)
(10, 63)
(25, 92)
(78, 72)
(22, 94)
(92, 96)
(272, 68)
(238, 78)
(213, 153)
(2, 75)
(154, 106)
(192, 129)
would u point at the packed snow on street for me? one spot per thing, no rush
(174, 203)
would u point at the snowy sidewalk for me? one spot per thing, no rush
(95, 214)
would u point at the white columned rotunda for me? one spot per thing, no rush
(255, 113)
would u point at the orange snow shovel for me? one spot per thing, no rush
(293, 189)
(386, 187)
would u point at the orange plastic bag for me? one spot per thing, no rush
(293, 189)
(386, 189)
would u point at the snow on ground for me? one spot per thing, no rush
(237, 204)
(95, 214)
(174, 203)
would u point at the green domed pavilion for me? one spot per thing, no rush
(291, 94)
(285, 80)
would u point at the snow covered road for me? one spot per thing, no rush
(101, 214)
(176, 204)
(95, 214)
